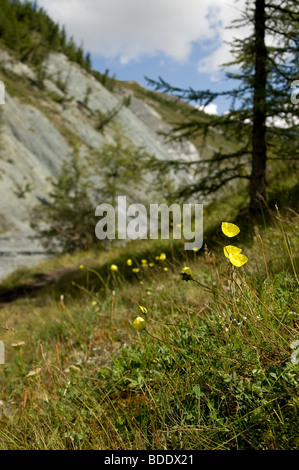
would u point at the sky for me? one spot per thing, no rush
(182, 41)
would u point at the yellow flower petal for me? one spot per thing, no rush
(143, 309)
(230, 230)
(238, 259)
(139, 323)
(231, 250)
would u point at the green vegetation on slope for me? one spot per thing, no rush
(31, 34)
(214, 369)
(175, 112)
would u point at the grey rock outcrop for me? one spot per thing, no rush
(35, 134)
(33, 147)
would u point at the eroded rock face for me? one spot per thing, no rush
(35, 136)
(34, 141)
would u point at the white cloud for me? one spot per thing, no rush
(229, 11)
(210, 108)
(131, 29)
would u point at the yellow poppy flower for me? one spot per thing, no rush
(143, 261)
(230, 230)
(151, 265)
(162, 256)
(231, 250)
(165, 269)
(135, 270)
(139, 323)
(113, 267)
(129, 262)
(238, 259)
(187, 274)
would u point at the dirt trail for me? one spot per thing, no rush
(18, 249)
(24, 290)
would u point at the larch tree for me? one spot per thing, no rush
(262, 119)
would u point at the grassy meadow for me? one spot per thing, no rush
(148, 346)
(215, 367)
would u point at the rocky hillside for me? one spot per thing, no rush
(52, 107)
(40, 124)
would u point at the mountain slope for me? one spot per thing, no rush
(39, 127)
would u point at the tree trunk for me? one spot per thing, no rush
(259, 151)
